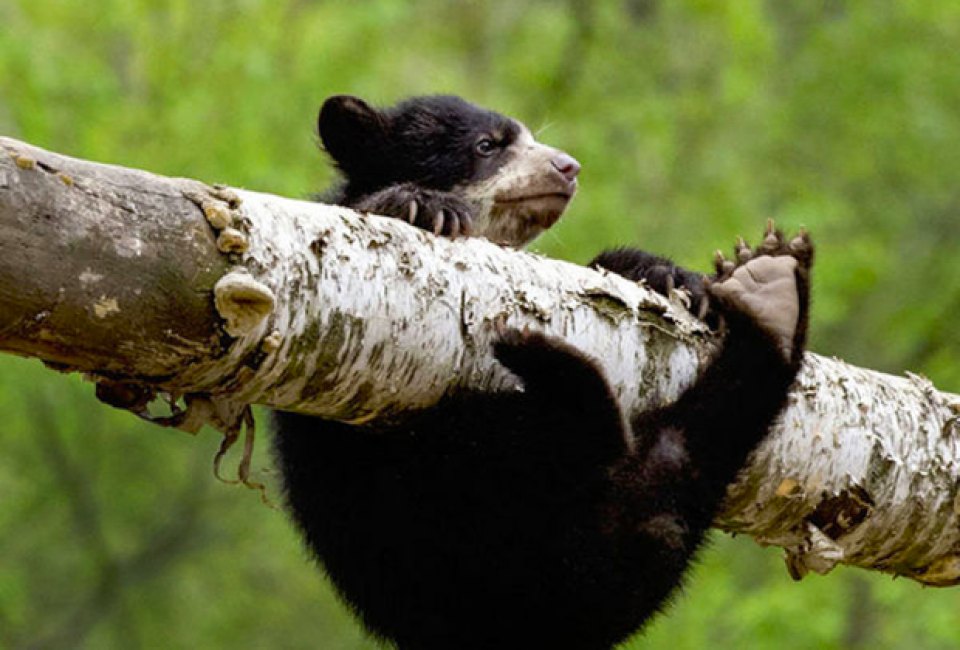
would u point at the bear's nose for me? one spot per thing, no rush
(567, 165)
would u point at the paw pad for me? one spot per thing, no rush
(769, 284)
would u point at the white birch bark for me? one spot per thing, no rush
(233, 297)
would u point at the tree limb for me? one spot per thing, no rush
(226, 297)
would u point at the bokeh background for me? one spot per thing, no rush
(695, 120)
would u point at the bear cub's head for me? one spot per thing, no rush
(517, 186)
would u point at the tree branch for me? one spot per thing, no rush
(227, 297)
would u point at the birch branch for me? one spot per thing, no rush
(226, 297)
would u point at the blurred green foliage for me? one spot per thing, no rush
(695, 120)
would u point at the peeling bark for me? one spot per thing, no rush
(863, 470)
(228, 297)
(323, 312)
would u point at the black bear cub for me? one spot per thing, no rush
(534, 519)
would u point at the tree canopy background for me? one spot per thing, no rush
(694, 120)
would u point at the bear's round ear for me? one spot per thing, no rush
(351, 130)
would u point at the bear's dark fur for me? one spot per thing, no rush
(538, 519)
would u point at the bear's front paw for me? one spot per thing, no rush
(665, 279)
(770, 285)
(659, 274)
(442, 213)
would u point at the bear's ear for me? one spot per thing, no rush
(352, 132)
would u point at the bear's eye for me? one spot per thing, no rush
(485, 146)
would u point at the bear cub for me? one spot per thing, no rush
(541, 518)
